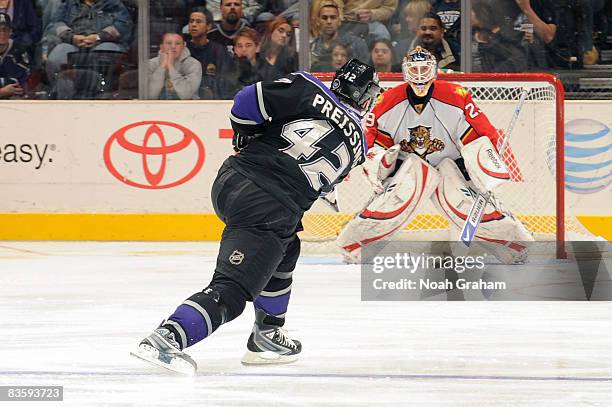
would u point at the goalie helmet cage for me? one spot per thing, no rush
(535, 157)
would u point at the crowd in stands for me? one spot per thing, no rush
(210, 49)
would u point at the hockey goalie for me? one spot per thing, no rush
(428, 140)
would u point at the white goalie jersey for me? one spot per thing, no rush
(434, 129)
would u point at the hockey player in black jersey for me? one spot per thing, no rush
(295, 140)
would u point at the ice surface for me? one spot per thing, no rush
(72, 312)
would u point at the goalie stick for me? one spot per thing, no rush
(480, 203)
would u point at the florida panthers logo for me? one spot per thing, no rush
(420, 142)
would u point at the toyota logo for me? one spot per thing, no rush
(154, 154)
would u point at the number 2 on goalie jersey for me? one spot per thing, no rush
(305, 139)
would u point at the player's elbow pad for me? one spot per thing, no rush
(485, 166)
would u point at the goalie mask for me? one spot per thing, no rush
(420, 68)
(356, 84)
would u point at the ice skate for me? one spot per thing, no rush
(270, 344)
(161, 349)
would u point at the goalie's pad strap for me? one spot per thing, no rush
(487, 217)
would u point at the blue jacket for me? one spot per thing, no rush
(14, 65)
(112, 20)
(26, 24)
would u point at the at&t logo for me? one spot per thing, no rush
(154, 154)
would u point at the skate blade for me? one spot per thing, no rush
(176, 365)
(267, 358)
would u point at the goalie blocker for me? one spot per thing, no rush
(415, 181)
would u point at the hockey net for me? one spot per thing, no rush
(534, 156)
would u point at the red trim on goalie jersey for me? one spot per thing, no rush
(375, 136)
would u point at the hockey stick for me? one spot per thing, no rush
(480, 203)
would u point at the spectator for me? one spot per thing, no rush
(537, 25)
(494, 50)
(273, 8)
(382, 56)
(278, 47)
(340, 55)
(14, 62)
(174, 74)
(25, 23)
(373, 13)
(86, 25)
(249, 66)
(449, 12)
(412, 14)
(231, 22)
(213, 57)
(430, 36)
(250, 9)
(326, 29)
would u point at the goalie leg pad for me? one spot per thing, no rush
(499, 232)
(412, 184)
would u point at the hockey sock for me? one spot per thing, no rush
(202, 313)
(195, 319)
(274, 300)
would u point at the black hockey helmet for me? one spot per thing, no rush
(357, 84)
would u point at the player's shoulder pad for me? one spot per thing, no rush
(390, 98)
(450, 93)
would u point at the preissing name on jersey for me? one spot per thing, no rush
(344, 121)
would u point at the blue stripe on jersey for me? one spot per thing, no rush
(347, 109)
(246, 106)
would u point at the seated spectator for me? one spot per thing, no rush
(430, 36)
(250, 9)
(86, 25)
(537, 25)
(382, 56)
(212, 56)
(14, 63)
(25, 23)
(327, 17)
(495, 52)
(373, 13)
(450, 14)
(231, 22)
(249, 66)
(340, 55)
(412, 14)
(274, 8)
(174, 74)
(278, 47)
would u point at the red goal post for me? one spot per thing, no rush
(496, 94)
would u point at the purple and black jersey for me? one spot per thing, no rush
(306, 141)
